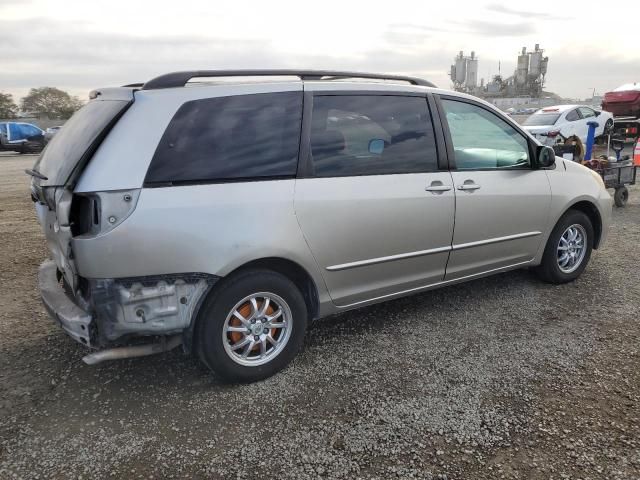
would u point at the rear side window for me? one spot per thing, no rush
(371, 135)
(227, 138)
(572, 116)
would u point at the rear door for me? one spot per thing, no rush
(572, 125)
(502, 204)
(374, 207)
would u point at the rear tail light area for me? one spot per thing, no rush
(97, 213)
(553, 133)
(85, 215)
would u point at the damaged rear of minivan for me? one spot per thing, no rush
(169, 217)
(101, 312)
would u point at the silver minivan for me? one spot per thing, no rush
(221, 211)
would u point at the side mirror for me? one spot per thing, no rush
(598, 113)
(545, 156)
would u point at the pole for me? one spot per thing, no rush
(591, 136)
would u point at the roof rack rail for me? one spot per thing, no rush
(180, 79)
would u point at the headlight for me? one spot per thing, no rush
(598, 178)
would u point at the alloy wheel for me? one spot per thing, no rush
(572, 248)
(257, 329)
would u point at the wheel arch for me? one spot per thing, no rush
(294, 272)
(591, 211)
(288, 268)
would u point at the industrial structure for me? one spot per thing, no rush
(527, 80)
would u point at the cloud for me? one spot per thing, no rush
(570, 75)
(497, 29)
(526, 15)
(410, 34)
(74, 56)
(8, 3)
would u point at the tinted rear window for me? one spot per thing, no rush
(80, 133)
(226, 138)
(541, 119)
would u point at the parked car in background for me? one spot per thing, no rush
(50, 132)
(247, 210)
(551, 124)
(21, 137)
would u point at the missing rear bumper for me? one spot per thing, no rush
(114, 310)
(73, 319)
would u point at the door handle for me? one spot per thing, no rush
(469, 186)
(438, 188)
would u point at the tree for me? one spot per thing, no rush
(50, 101)
(8, 108)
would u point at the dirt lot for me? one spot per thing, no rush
(507, 378)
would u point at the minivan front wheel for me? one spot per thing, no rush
(252, 325)
(568, 249)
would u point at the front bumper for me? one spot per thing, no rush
(72, 318)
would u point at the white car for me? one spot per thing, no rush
(550, 125)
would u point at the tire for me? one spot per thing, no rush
(621, 196)
(550, 269)
(233, 295)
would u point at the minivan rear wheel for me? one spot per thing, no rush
(568, 249)
(252, 325)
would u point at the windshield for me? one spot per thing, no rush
(540, 119)
(82, 130)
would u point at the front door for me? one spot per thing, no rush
(374, 208)
(502, 204)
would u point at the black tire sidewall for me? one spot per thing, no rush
(223, 298)
(621, 196)
(549, 268)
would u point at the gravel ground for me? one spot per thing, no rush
(508, 378)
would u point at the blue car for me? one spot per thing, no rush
(21, 137)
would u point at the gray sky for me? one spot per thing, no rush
(79, 45)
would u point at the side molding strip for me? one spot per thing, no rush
(390, 258)
(489, 241)
(422, 253)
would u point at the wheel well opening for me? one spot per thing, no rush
(590, 210)
(293, 272)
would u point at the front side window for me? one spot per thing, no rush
(29, 130)
(482, 140)
(3, 129)
(371, 135)
(225, 138)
